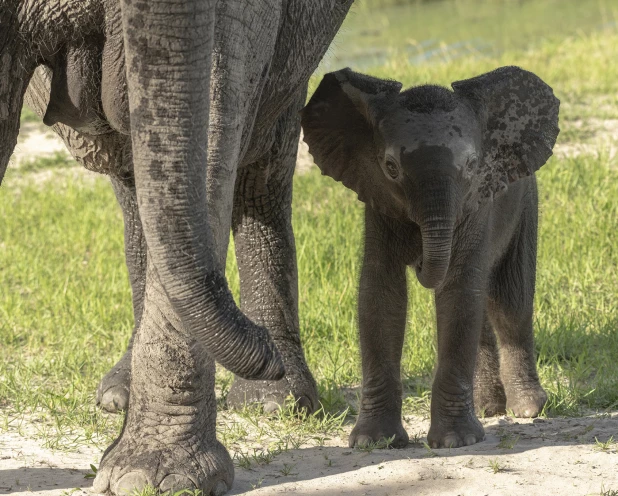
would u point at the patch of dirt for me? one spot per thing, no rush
(518, 457)
(34, 141)
(304, 161)
(604, 137)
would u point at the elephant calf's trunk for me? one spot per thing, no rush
(437, 241)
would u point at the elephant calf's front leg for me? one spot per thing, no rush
(382, 303)
(459, 310)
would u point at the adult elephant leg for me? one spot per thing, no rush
(489, 397)
(266, 255)
(113, 390)
(190, 318)
(382, 302)
(460, 304)
(169, 439)
(511, 300)
(110, 154)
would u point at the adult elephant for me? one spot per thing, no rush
(193, 112)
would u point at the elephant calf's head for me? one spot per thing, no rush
(425, 154)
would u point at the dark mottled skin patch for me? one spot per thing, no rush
(522, 124)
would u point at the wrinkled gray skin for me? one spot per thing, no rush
(199, 136)
(434, 168)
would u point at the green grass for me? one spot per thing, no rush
(65, 313)
(437, 30)
(495, 466)
(28, 115)
(59, 160)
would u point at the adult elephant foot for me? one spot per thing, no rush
(169, 437)
(113, 390)
(168, 441)
(455, 431)
(272, 395)
(526, 401)
(383, 428)
(178, 457)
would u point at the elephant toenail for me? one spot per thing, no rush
(220, 489)
(362, 441)
(271, 407)
(451, 442)
(305, 404)
(115, 399)
(101, 481)
(470, 440)
(176, 482)
(131, 482)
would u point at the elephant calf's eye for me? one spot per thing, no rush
(392, 169)
(472, 164)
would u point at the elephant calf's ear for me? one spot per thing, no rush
(338, 127)
(521, 118)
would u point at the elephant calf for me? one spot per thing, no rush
(435, 168)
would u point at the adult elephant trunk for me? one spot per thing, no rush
(168, 45)
(437, 220)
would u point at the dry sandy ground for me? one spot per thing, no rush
(551, 456)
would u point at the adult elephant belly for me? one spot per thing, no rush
(75, 94)
(88, 89)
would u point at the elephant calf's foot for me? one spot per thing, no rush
(454, 432)
(379, 429)
(526, 402)
(489, 398)
(113, 390)
(453, 423)
(272, 394)
(173, 464)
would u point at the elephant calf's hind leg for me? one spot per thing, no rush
(489, 396)
(510, 311)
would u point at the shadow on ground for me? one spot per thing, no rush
(36, 479)
(518, 457)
